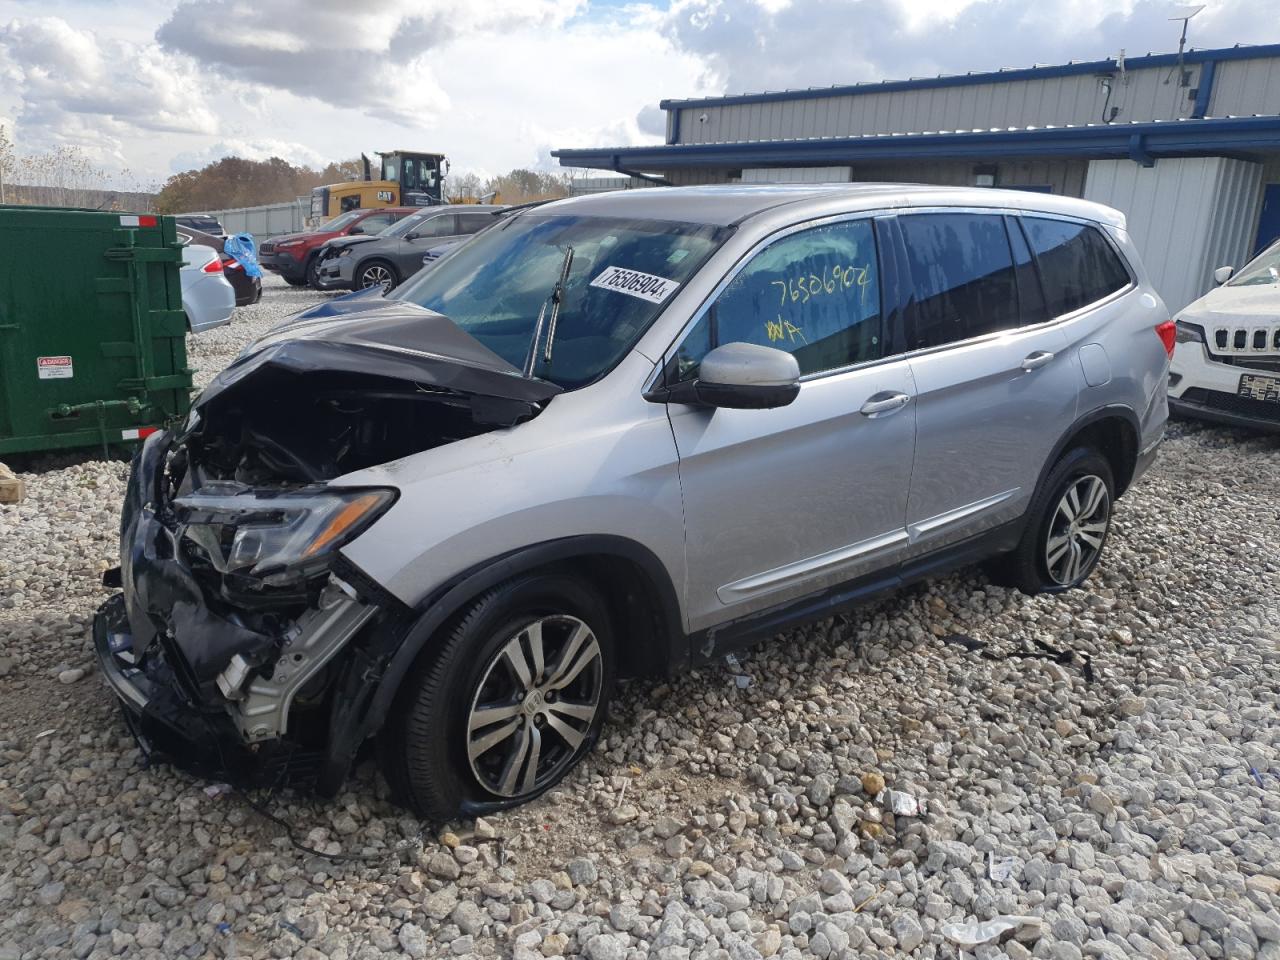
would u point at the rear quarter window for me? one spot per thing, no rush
(1077, 265)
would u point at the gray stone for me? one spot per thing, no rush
(907, 931)
(414, 941)
(582, 871)
(606, 946)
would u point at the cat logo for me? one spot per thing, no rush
(386, 196)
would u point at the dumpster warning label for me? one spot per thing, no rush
(54, 368)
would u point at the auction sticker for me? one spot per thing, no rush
(54, 368)
(636, 284)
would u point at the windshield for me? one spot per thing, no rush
(1262, 269)
(623, 272)
(338, 222)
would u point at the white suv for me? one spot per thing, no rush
(1227, 364)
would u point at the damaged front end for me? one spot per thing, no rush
(243, 641)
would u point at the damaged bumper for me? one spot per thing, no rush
(218, 689)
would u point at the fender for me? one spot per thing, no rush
(1109, 411)
(363, 700)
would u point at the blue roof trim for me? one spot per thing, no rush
(1224, 136)
(1204, 90)
(994, 76)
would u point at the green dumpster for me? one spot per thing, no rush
(92, 334)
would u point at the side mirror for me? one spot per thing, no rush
(741, 376)
(355, 231)
(409, 237)
(1223, 274)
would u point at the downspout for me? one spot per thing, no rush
(1138, 152)
(673, 128)
(1205, 90)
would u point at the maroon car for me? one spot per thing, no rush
(293, 255)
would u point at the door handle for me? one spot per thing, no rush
(1035, 361)
(884, 402)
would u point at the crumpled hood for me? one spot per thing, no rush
(1237, 306)
(368, 334)
(337, 243)
(303, 235)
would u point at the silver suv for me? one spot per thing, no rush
(620, 435)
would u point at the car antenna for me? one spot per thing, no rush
(556, 297)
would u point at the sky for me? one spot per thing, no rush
(153, 87)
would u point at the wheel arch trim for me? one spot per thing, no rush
(1115, 411)
(450, 598)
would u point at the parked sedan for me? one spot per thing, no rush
(354, 263)
(248, 289)
(208, 298)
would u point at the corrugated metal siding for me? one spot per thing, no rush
(1244, 87)
(1064, 177)
(796, 175)
(1187, 216)
(1235, 223)
(1141, 95)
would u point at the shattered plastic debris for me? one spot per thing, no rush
(902, 804)
(1000, 869)
(974, 932)
(215, 790)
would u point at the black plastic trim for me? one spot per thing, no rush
(1213, 415)
(402, 640)
(706, 645)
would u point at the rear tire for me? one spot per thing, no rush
(1067, 526)
(486, 719)
(295, 281)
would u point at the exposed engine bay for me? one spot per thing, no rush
(240, 618)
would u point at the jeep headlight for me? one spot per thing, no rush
(277, 537)
(1189, 332)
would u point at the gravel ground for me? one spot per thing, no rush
(730, 814)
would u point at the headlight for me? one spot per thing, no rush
(1189, 333)
(277, 536)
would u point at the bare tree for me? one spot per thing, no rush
(7, 161)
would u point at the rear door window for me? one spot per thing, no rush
(441, 226)
(814, 294)
(376, 223)
(962, 277)
(1077, 264)
(472, 222)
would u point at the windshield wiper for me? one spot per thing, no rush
(555, 299)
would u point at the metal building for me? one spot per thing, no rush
(1187, 146)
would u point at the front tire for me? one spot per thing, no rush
(509, 702)
(376, 273)
(1067, 526)
(313, 273)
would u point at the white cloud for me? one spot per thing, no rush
(74, 87)
(376, 57)
(295, 153)
(753, 45)
(160, 86)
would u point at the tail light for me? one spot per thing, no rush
(231, 263)
(1168, 334)
(213, 266)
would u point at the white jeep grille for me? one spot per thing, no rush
(1250, 340)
